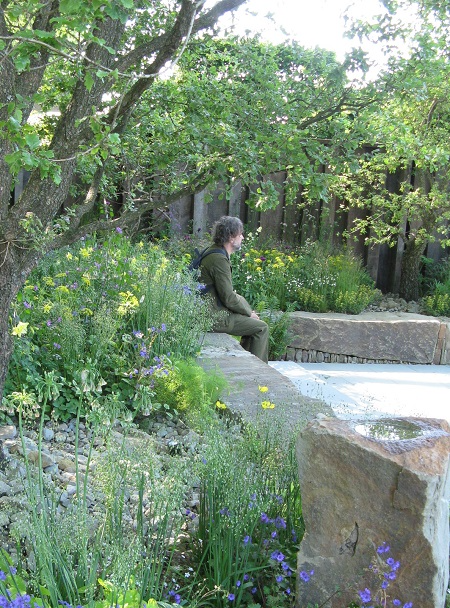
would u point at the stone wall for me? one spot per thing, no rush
(368, 338)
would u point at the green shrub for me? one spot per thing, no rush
(439, 302)
(189, 390)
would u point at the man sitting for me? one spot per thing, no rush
(215, 273)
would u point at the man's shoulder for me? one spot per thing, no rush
(215, 254)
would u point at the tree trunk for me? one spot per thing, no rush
(411, 261)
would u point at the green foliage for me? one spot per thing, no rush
(249, 511)
(102, 317)
(438, 303)
(190, 390)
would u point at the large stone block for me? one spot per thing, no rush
(363, 484)
(402, 337)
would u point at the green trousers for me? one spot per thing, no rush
(254, 333)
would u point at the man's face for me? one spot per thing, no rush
(236, 241)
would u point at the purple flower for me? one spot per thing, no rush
(27, 304)
(246, 577)
(274, 534)
(280, 523)
(408, 605)
(238, 583)
(163, 327)
(285, 566)
(13, 571)
(56, 345)
(384, 585)
(177, 598)
(231, 597)
(264, 518)
(247, 539)
(279, 578)
(288, 591)
(48, 323)
(304, 576)
(396, 602)
(119, 230)
(365, 596)
(254, 590)
(384, 548)
(2, 575)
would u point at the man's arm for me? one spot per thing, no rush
(220, 271)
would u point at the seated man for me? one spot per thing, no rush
(215, 273)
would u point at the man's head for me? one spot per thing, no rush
(228, 232)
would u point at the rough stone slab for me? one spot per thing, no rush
(403, 337)
(245, 373)
(360, 491)
(445, 355)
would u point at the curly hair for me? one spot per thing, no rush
(225, 229)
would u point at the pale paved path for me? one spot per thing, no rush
(374, 390)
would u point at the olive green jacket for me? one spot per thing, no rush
(215, 273)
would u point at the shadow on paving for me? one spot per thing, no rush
(245, 373)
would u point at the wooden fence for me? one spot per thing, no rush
(295, 224)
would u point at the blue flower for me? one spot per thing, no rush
(247, 539)
(177, 598)
(384, 548)
(2, 575)
(238, 583)
(365, 596)
(396, 602)
(408, 605)
(285, 566)
(119, 230)
(384, 585)
(280, 523)
(288, 591)
(231, 597)
(163, 327)
(264, 518)
(279, 578)
(304, 576)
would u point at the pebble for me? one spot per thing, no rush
(167, 437)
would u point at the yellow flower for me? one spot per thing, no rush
(220, 405)
(62, 289)
(85, 252)
(263, 389)
(20, 329)
(69, 256)
(267, 405)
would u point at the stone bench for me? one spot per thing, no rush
(368, 337)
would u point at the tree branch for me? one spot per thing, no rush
(203, 22)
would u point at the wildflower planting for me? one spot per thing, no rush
(310, 278)
(106, 335)
(105, 319)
